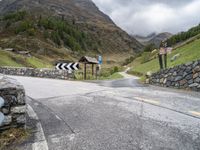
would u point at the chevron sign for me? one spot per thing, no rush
(67, 66)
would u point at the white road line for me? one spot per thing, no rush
(194, 113)
(147, 100)
(40, 141)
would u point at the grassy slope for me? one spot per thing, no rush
(189, 52)
(10, 59)
(112, 77)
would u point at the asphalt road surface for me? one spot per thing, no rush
(110, 115)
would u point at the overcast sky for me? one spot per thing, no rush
(146, 16)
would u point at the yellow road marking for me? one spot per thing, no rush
(194, 113)
(147, 100)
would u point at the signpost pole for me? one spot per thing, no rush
(85, 71)
(92, 69)
(165, 59)
(160, 61)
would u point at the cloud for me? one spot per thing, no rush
(146, 16)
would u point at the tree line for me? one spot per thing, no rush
(180, 37)
(60, 31)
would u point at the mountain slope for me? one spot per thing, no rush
(183, 36)
(159, 38)
(153, 38)
(105, 36)
(187, 53)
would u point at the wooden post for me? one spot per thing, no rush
(92, 69)
(160, 61)
(165, 60)
(85, 71)
(96, 71)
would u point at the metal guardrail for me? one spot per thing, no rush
(2, 117)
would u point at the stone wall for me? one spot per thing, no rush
(42, 73)
(13, 104)
(186, 76)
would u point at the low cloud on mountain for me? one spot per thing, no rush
(146, 16)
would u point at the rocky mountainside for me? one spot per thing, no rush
(159, 38)
(104, 36)
(153, 38)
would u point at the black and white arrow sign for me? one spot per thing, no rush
(67, 66)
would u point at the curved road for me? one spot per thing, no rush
(110, 115)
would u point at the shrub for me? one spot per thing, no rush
(31, 32)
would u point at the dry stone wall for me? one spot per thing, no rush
(42, 73)
(186, 76)
(12, 104)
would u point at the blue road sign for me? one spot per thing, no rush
(100, 60)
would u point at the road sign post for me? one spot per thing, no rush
(163, 51)
(100, 60)
(160, 61)
(165, 60)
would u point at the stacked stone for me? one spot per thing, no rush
(186, 76)
(42, 73)
(14, 108)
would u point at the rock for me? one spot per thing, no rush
(14, 108)
(189, 70)
(177, 85)
(185, 74)
(197, 80)
(7, 120)
(168, 84)
(165, 80)
(195, 64)
(21, 119)
(148, 74)
(21, 97)
(162, 80)
(182, 82)
(195, 75)
(5, 110)
(147, 81)
(18, 109)
(196, 69)
(2, 117)
(194, 85)
(189, 77)
(178, 78)
(175, 74)
(191, 81)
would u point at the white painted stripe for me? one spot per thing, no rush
(147, 100)
(40, 141)
(194, 113)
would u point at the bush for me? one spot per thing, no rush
(17, 16)
(149, 47)
(23, 26)
(55, 37)
(128, 61)
(31, 32)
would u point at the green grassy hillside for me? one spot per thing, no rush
(10, 59)
(188, 52)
